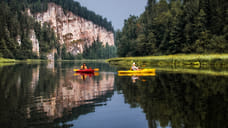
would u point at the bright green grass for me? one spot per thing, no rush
(4, 60)
(177, 60)
(212, 64)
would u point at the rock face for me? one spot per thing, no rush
(72, 30)
(35, 42)
(18, 38)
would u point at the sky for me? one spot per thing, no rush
(115, 11)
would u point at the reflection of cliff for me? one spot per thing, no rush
(35, 78)
(73, 92)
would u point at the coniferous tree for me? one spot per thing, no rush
(176, 26)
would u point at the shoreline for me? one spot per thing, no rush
(212, 64)
(178, 60)
(6, 61)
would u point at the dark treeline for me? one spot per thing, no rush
(96, 51)
(176, 26)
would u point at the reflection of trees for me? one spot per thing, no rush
(13, 89)
(183, 100)
(48, 82)
(34, 96)
(19, 86)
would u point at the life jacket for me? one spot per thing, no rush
(83, 67)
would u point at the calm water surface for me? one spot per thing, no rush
(54, 96)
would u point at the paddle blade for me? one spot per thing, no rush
(96, 73)
(96, 69)
(76, 70)
(76, 74)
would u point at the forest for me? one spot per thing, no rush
(15, 23)
(176, 26)
(96, 51)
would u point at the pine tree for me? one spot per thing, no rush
(176, 37)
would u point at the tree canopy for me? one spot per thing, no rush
(16, 25)
(176, 26)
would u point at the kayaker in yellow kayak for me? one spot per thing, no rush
(83, 66)
(134, 68)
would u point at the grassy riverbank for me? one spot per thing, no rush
(83, 60)
(179, 60)
(6, 61)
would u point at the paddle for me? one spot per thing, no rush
(76, 70)
(96, 69)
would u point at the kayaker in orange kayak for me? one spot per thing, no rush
(83, 66)
(133, 67)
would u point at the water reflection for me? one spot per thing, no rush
(135, 75)
(47, 94)
(179, 100)
(52, 95)
(84, 76)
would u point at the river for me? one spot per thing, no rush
(52, 95)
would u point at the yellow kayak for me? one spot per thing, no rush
(143, 71)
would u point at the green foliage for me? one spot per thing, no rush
(64, 53)
(176, 26)
(15, 23)
(182, 61)
(46, 37)
(95, 51)
(127, 45)
(98, 51)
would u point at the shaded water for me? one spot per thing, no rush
(52, 95)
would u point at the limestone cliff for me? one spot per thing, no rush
(35, 42)
(72, 30)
